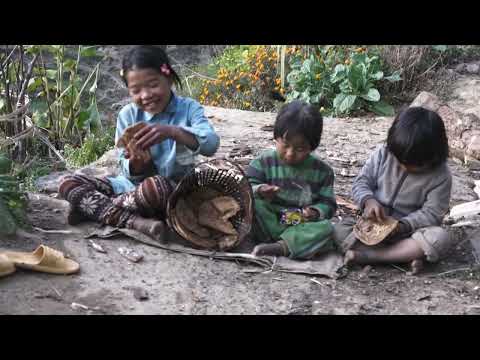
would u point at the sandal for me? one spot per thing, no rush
(43, 259)
(6, 266)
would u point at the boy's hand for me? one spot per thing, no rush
(310, 214)
(268, 192)
(374, 210)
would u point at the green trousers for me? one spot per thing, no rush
(304, 240)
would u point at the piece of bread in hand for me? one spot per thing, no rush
(128, 142)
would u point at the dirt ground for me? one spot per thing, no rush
(177, 283)
(184, 284)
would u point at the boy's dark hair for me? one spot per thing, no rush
(417, 137)
(299, 118)
(147, 57)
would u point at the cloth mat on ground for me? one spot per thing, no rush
(329, 264)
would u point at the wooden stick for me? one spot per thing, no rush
(399, 268)
(450, 271)
(65, 232)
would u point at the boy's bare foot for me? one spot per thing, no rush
(275, 249)
(361, 257)
(416, 267)
(349, 258)
(153, 228)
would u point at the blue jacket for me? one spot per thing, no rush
(171, 160)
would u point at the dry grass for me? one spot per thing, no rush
(423, 68)
(417, 64)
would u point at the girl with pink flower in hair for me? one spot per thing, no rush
(176, 131)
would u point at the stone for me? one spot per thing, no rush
(107, 165)
(461, 123)
(460, 67)
(462, 190)
(140, 294)
(473, 147)
(50, 183)
(472, 68)
(427, 100)
(466, 210)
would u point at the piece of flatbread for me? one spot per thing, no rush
(128, 141)
(370, 232)
(187, 218)
(199, 196)
(226, 242)
(226, 205)
(209, 216)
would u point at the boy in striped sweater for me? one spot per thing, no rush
(291, 177)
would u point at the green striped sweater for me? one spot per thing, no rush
(307, 184)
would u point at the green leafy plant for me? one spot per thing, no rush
(65, 103)
(27, 176)
(12, 201)
(234, 58)
(48, 96)
(356, 81)
(93, 147)
(340, 79)
(310, 79)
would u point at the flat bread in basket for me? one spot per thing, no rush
(212, 206)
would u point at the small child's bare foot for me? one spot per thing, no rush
(276, 249)
(361, 257)
(350, 257)
(416, 267)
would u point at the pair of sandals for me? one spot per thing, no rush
(43, 259)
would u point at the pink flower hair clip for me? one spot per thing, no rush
(165, 69)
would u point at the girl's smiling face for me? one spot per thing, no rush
(149, 89)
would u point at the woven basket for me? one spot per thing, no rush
(224, 177)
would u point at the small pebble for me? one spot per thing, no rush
(140, 294)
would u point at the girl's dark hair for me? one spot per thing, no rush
(417, 137)
(147, 57)
(299, 118)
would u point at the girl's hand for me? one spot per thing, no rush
(138, 164)
(268, 192)
(374, 211)
(310, 214)
(126, 153)
(153, 134)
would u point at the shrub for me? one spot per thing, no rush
(341, 79)
(93, 147)
(245, 79)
